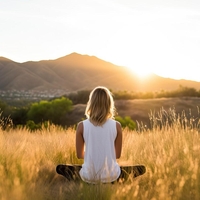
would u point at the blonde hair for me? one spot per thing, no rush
(100, 106)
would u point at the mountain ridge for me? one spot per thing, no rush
(75, 72)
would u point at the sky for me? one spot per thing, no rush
(148, 36)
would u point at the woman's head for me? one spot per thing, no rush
(100, 105)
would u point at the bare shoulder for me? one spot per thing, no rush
(80, 124)
(119, 130)
(118, 125)
(79, 128)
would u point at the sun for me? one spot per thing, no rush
(141, 72)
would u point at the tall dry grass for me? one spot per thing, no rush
(171, 154)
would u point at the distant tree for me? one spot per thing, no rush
(147, 95)
(19, 115)
(123, 95)
(126, 122)
(80, 97)
(46, 125)
(5, 109)
(186, 91)
(53, 111)
(3, 105)
(31, 126)
(5, 119)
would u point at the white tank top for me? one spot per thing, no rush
(100, 163)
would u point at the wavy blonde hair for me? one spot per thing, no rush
(100, 106)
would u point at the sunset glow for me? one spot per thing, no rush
(142, 73)
(146, 36)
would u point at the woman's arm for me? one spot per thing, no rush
(79, 141)
(118, 140)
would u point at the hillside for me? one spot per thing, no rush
(78, 72)
(140, 109)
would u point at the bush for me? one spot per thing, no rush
(53, 111)
(126, 122)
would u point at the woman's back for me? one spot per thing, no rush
(100, 157)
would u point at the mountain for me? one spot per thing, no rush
(78, 72)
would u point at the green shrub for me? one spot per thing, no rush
(126, 122)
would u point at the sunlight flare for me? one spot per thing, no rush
(141, 72)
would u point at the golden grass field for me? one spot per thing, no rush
(171, 156)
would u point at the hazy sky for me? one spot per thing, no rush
(160, 36)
